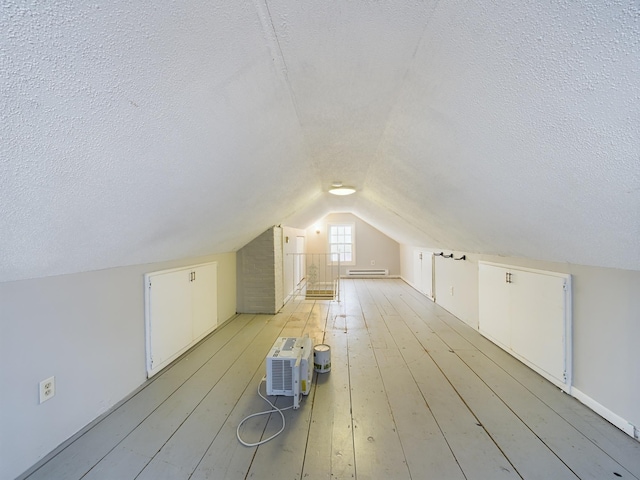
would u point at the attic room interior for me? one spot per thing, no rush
(493, 152)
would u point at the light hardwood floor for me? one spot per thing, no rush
(413, 393)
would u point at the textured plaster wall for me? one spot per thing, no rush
(127, 127)
(511, 128)
(497, 127)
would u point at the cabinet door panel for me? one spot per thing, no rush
(493, 301)
(426, 274)
(205, 307)
(538, 323)
(170, 315)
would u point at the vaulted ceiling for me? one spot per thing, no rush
(135, 132)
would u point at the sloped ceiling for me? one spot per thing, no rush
(135, 132)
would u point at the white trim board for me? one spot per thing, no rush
(415, 287)
(605, 413)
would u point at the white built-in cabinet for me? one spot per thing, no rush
(423, 272)
(528, 313)
(180, 308)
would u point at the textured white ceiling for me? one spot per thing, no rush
(136, 132)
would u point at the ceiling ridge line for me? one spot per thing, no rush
(267, 22)
(266, 19)
(401, 85)
(393, 211)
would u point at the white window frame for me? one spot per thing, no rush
(352, 226)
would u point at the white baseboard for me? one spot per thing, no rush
(604, 412)
(415, 287)
(408, 282)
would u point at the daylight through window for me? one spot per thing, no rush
(342, 243)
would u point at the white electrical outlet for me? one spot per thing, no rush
(47, 389)
(451, 290)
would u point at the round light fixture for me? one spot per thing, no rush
(338, 189)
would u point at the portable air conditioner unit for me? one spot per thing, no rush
(290, 368)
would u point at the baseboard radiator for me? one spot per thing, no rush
(367, 272)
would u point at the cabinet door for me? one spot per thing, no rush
(169, 316)
(426, 274)
(493, 304)
(423, 272)
(538, 323)
(205, 307)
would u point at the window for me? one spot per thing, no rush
(342, 243)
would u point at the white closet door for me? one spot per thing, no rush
(169, 317)
(205, 305)
(423, 272)
(494, 304)
(181, 308)
(528, 313)
(416, 264)
(426, 275)
(538, 325)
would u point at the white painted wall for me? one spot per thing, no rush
(87, 329)
(462, 276)
(371, 243)
(606, 323)
(407, 265)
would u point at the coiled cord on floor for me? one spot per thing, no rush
(273, 409)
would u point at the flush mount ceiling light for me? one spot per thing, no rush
(338, 189)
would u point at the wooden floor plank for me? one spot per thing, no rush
(605, 436)
(153, 433)
(378, 450)
(531, 458)
(556, 433)
(425, 448)
(413, 393)
(186, 448)
(444, 331)
(188, 445)
(474, 450)
(602, 434)
(283, 457)
(226, 457)
(84, 453)
(329, 452)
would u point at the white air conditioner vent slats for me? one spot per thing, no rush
(281, 379)
(290, 368)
